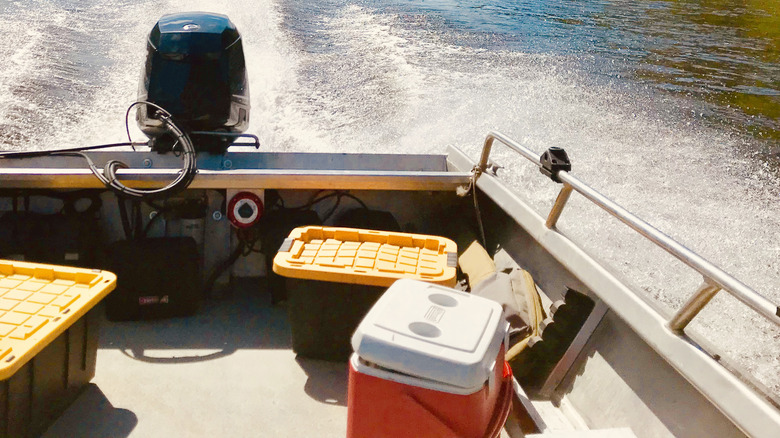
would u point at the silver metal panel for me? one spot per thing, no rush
(242, 170)
(244, 160)
(747, 410)
(240, 178)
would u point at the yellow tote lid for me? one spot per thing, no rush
(369, 257)
(39, 302)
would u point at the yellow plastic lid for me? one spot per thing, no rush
(39, 302)
(369, 257)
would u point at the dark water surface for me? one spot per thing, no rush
(725, 53)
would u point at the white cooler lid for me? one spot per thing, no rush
(432, 332)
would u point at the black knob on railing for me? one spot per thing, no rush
(554, 160)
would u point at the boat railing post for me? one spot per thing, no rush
(483, 161)
(557, 208)
(508, 142)
(693, 306)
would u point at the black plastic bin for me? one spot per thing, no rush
(48, 341)
(335, 275)
(39, 392)
(323, 315)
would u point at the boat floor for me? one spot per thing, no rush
(227, 371)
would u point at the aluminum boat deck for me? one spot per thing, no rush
(226, 371)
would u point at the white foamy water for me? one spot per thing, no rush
(337, 77)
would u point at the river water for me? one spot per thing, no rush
(672, 108)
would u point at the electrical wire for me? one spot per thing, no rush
(108, 176)
(125, 218)
(156, 218)
(247, 239)
(478, 214)
(316, 199)
(182, 181)
(43, 153)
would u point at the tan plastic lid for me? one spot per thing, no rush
(39, 302)
(370, 257)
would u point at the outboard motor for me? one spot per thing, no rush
(195, 70)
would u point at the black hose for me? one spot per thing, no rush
(247, 239)
(208, 287)
(152, 221)
(181, 182)
(108, 175)
(43, 153)
(125, 218)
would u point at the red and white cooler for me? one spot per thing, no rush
(429, 362)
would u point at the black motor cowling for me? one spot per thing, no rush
(195, 69)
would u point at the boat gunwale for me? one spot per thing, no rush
(332, 171)
(749, 410)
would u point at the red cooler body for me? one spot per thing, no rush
(429, 362)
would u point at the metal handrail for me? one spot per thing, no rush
(714, 277)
